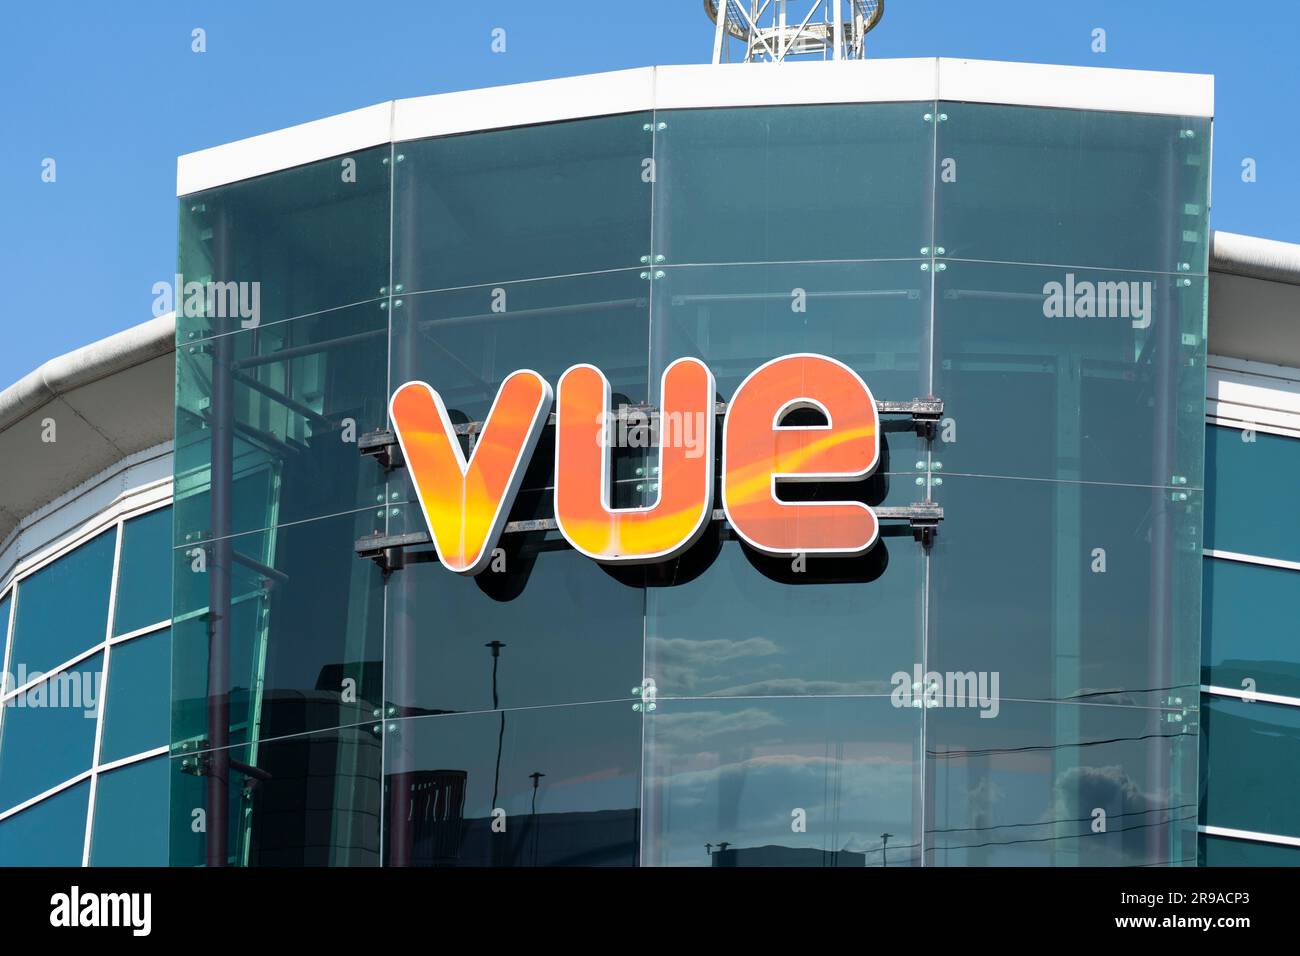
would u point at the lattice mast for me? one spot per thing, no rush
(777, 30)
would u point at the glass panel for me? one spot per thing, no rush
(50, 629)
(302, 393)
(1073, 187)
(51, 833)
(464, 348)
(749, 625)
(565, 780)
(550, 200)
(1250, 750)
(782, 782)
(1224, 851)
(313, 237)
(138, 707)
(872, 316)
(1037, 393)
(1060, 785)
(306, 632)
(131, 814)
(1238, 517)
(1249, 631)
(48, 732)
(144, 572)
(313, 800)
(553, 627)
(1068, 591)
(780, 184)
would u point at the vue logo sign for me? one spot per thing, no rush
(465, 503)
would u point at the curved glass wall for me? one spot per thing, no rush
(1042, 272)
(85, 699)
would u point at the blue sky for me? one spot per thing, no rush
(113, 93)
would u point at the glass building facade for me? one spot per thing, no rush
(1042, 272)
(84, 727)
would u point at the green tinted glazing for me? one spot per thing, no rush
(48, 627)
(294, 242)
(130, 827)
(785, 184)
(305, 632)
(138, 703)
(313, 801)
(48, 733)
(535, 201)
(1071, 374)
(302, 393)
(144, 573)
(1073, 187)
(920, 244)
(50, 833)
(1068, 591)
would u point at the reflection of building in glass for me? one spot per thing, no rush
(1060, 507)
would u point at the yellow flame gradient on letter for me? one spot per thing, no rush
(465, 504)
(583, 431)
(758, 452)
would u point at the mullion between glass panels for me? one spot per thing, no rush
(103, 690)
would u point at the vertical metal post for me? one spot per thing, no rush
(220, 481)
(399, 663)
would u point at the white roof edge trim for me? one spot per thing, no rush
(1077, 87)
(522, 104)
(90, 363)
(1255, 258)
(700, 87)
(284, 148)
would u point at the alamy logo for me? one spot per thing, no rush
(74, 908)
(1098, 300)
(976, 689)
(208, 299)
(68, 689)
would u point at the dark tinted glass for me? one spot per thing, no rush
(563, 782)
(48, 734)
(138, 705)
(1237, 517)
(1248, 639)
(1249, 748)
(49, 628)
(1225, 851)
(51, 833)
(144, 572)
(130, 826)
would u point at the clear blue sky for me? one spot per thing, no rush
(113, 93)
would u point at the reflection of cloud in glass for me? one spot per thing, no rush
(681, 660)
(797, 686)
(735, 771)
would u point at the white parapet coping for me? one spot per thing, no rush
(700, 87)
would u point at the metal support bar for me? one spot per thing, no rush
(388, 551)
(926, 413)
